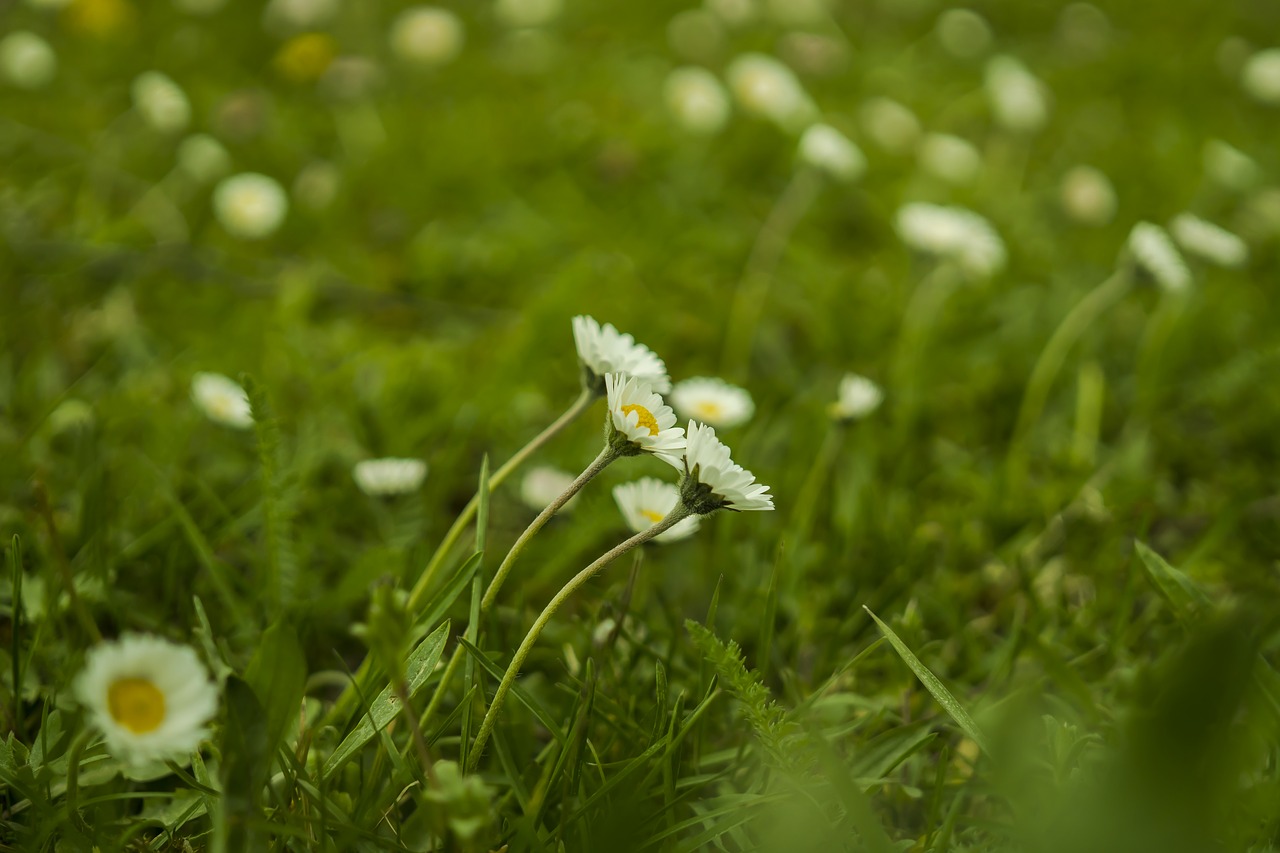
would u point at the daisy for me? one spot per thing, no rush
(544, 484)
(696, 100)
(203, 158)
(858, 397)
(1153, 253)
(639, 422)
(830, 151)
(1210, 242)
(389, 476)
(713, 401)
(963, 33)
(149, 697)
(161, 102)
(713, 481)
(222, 400)
(647, 501)
(1261, 76)
(26, 60)
(952, 233)
(889, 125)
(603, 349)
(1088, 196)
(1017, 96)
(249, 205)
(950, 158)
(766, 88)
(426, 36)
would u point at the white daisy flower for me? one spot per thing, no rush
(426, 36)
(713, 401)
(27, 61)
(963, 33)
(765, 87)
(714, 481)
(161, 102)
(858, 397)
(639, 422)
(647, 501)
(1087, 196)
(697, 100)
(950, 158)
(149, 697)
(889, 124)
(250, 205)
(1261, 76)
(543, 484)
(830, 151)
(1017, 97)
(603, 350)
(203, 158)
(952, 233)
(222, 400)
(1210, 242)
(519, 14)
(1153, 253)
(390, 476)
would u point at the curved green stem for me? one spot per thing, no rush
(602, 461)
(1046, 369)
(676, 515)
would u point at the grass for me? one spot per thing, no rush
(1068, 532)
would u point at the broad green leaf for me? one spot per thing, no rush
(933, 685)
(422, 662)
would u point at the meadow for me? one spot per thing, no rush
(940, 345)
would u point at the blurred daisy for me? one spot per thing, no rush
(27, 61)
(1017, 97)
(766, 88)
(250, 205)
(149, 697)
(161, 102)
(203, 158)
(713, 401)
(889, 124)
(1154, 255)
(647, 501)
(950, 158)
(830, 151)
(713, 481)
(735, 13)
(858, 397)
(603, 349)
(518, 14)
(1212, 243)
(222, 400)
(639, 422)
(1260, 76)
(390, 476)
(963, 33)
(1229, 166)
(296, 15)
(1087, 196)
(952, 233)
(697, 100)
(544, 484)
(426, 36)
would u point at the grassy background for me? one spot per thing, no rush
(426, 313)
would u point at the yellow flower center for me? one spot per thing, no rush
(646, 418)
(709, 409)
(136, 704)
(653, 517)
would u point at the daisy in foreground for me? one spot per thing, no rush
(647, 501)
(149, 697)
(389, 476)
(639, 422)
(713, 481)
(603, 350)
(713, 401)
(222, 400)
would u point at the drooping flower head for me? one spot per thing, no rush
(222, 400)
(954, 234)
(1152, 253)
(713, 401)
(647, 501)
(767, 88)
(639, 422)
(1018, 99)
(713, 481)
(1213, 243)
(858, 396)
(389, 476)
(603, 350)
(831, 152)
(149, 697)
(696, 100)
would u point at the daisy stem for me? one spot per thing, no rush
(753, 288)
(1050, 362)
(815, 480)
(918, 321)
(74, 753)
(602, 461)
(679, 513)
(417, 596)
